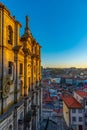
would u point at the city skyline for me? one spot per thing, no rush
(59, 26)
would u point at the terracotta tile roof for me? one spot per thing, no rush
(57, 111)
(81, 93)
(45, 80)
(48, 99)
(54, 98)
(71, 102)
(84, 89)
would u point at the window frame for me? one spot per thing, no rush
(21, 69)
(73, 118)
(10, 35)
(10, 67)
(80, 119)
(73, 110)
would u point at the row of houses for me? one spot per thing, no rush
(74, 104)
(75, 81)
(51, 104)
(67, 80)
(75, 110)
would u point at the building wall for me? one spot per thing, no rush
(4, 125)
(69, 81)
(78, 97)
(82, 100)
(8, 55)
(77, 114)
(66, 114)
(20, 75)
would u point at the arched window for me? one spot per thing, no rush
(10, 35)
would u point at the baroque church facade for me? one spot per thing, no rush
(20, 75)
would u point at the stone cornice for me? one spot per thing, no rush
(8, 13)
(18, 23)
(3, 7)
(26, 51)
(35, 56)
(24, 37)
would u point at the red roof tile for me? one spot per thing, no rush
(71, 102)
(81, 93)
(57, 111)
(48, 99)
(54, 98)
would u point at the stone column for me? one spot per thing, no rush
(2, 59)
(26, 53)
(16, 51)
(25, 75)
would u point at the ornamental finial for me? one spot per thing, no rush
(27, 30)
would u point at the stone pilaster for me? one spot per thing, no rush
(16, 51)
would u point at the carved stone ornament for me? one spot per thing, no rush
(16, 48)
(6, 86)
(26, 51)
(6, 89)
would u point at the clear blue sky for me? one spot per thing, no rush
(60, 26)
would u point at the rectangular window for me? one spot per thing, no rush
(80, 110)
(86, 119)
(34, 68)
(73, 118)
(80, 119)
(86, 112)
(73, 110)
(86, 103)
(10, 66)
(21, 68)
(10, 34)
